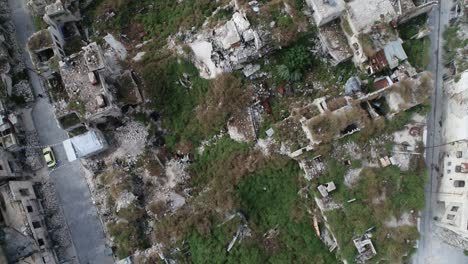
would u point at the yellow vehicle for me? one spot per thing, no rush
(49, 157)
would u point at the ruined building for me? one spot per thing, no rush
(365, 248)
(9, 168)
(358, 19)
(327, 118)
(84, 79)
(81, 84)
(63, 35)
(63, 28)
(228, 47)
(22, 225)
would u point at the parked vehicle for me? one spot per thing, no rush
(49, 157)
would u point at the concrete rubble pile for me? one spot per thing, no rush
(55, 220)
(32, 153)
(125, 200)
(313, 168)
(131, 140)
(23, 90)
(228, 47)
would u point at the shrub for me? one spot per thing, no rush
(213, 247)
(127, 237)
(226, 97)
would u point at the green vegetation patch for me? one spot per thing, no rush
(175, 102)
(380, 194)
(231, 177)
(129, 235)
(156, 18)
(268, 196)
(209, 163)
(294, 62)
(78, 106)
(39, 23)
(69, 120)
(213, 246)
(418, 50)
(271, 204)
(78, 131)
(452, 43)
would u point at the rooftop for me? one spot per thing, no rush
(378, 62)
(382, 82)
(84, 145)
(394, 53)
(452, 190)
(363, 14)
(326, 10)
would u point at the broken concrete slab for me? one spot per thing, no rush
(326, 188)
(117, 46)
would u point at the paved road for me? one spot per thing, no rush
(431, 249)
(73, 192)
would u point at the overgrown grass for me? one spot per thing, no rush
(213, 247)
(173, 101)
(380, 194)
(207, 164)
(39, 23)
(127, 230)
(78, 106)
(268, 198)
(335, 173)
(128, 238)
(69, 120)
(418, 50)
(78, 131)
(159, 18)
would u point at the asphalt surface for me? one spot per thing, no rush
(431, 249)
(79, 210)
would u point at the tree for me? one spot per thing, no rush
(296, 60)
